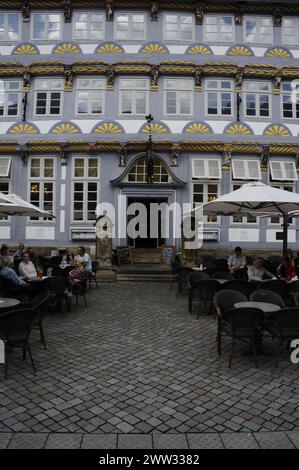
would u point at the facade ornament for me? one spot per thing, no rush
(109, 10)
(239, 12)
(199, 13)
(122, 152)
(239, 79)
(198, 75)
(154, 8)
(110, 73)
(277, 83)
(67, 11)
(175, 154)
(227, 155)
(25, 11)
(24, 153)
(64, 153)
(68, 77)
(278, 13)
(265, 155)
(154, 77)
(92, 147)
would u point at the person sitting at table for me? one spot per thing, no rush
(69, 257)
(256, 272)
(7, 272)
(26, 268)
(236, 262)
(77, 274)
(18, 254)
(83, 257)
(286, 270)
(3, 253)
(32, 256)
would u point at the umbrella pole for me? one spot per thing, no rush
(285, 234)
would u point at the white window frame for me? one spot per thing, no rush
(130, 14)
(42, 180)
(8, 180)
(6, 39)
(85, 179)
(48, 91)
(6, 92)
(219, 38)
(103, 90)
(280, 185)
(140, 161)
(295, 37)
(207, 173)
(258, 40)
(247, 176)
(257, 93)
(219, 91)
(89, 21)
(284, 177)
(47, 13)
(133, 90)
(205, 183)
(178, 92)
(7, 174)
(294, 104)
(179, 22)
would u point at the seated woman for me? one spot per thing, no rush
(286, 270)
(26, 268)
(69, 257)
(77, 274)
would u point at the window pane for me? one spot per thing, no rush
(39, 26)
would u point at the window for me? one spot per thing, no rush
(218, 28)
(134, 96)
(178, 27)
(88, 25)
(219, 97)
(246, 169)
(257, 99)
(48, 97)
(203, 193)
(290, 30)
(5, 167)
(239, 219)
(283, 171)
(290, 109)
(90, 96)
(10, 97)
(178, 96)
(258, 29)
(41, 183)
(130, 26)
(10, 27)
(46, 26)
(86, 173)
(286, 187)
(137, 173)
(206, 168)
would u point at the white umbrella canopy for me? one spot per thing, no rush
(257, 199)
(15, 205)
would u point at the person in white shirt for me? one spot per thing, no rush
(257, 272)
(84, 258)
(236, 261)
(26, 268)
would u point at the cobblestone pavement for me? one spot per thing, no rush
(136, 362)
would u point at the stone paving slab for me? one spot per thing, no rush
(205, 441)
(232, 440)
(99, 441)
(64, 441)
(278, 440)
(136, 362)
(5, 439)
(135, 441)
(170, 441)
(28, 441)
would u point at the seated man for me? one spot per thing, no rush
(27, 269)
(7, 272)
(32, 256)
(18, 253)
(257, 272)
(237, 262)
(84, 258)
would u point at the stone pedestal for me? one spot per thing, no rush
(104, 243)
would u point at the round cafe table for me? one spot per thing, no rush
(264, 306)
(8, 303)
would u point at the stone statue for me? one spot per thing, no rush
(110, 73)
(122, 155)
(277, 81)
(68, 77)
(199, 13)
(154, 75)
(104, 241)
(278, 13)
(109, 10)
(25, 10)
(154, 11)
(239, 77)
(174, 157)
(67, 11)
(26, 78)
(198, 74)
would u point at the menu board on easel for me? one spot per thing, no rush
(167, 254)
(124, 255)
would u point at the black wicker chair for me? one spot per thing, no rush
(283, 325)
(238, 285)
(204, 291)
(9, 289)
(40, 305)
(80, 288)
(194, 278)
(262, 295)
(57, 287)
(225, 300)
(221, 265)
(93, 273)
(183, 281)
(15, 328)
(174, 271)
(223, 275)
(242, 324)
(275, 285)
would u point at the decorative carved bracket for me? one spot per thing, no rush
(67, 11)
(227, 156)
(265, 155)
(277, 83)
(25, 11)
(64, 153)
(122, 153)
(239, 79)
(154, 10)
(109, 10)
(68, 77)
(154, 77)
(198, 75)
(110, 74)
(239, 13)
(92, 148)
(199, 12)
(175, 155)
(278, 14)
(24, 153)
(26, 79)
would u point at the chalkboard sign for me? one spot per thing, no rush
(167, 254)
(124, 255)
